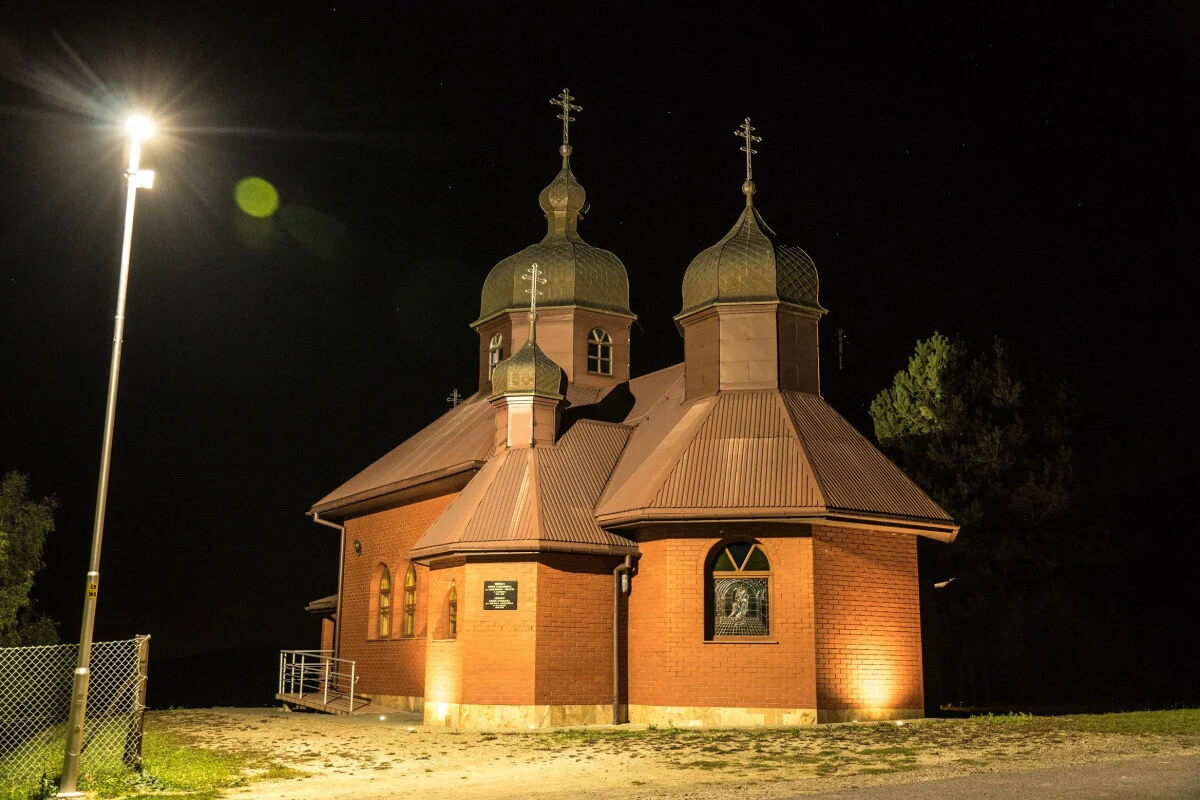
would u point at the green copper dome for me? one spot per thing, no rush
(529, 372)
(746, 266)
(577, 274)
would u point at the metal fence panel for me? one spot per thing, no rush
(35, 699)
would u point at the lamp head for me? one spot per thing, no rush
(139, 127)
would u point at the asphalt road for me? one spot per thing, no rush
(1172, 778)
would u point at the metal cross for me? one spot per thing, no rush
(454, 399)
(564, 101)
(535, 278)
(746, 131)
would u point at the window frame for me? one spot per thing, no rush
(452, 612)
(600, 351)
(495, 353)
(710, 578)
(409, 621)
(383, 604)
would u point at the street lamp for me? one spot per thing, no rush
(138, 128)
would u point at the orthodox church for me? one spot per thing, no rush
(709, 544)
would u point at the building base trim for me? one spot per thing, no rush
(478, 716)
(397, 702)
(867, 714)
(719, 716)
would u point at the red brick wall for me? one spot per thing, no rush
(444, 657)
(395, 665)
(574, 636)
(868, 620)
(498, 647)
(670, 664)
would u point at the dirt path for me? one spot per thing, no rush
(367, 758)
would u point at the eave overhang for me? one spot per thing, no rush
(864, 520)
(418, 487)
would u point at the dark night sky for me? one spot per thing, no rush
(1026, 173)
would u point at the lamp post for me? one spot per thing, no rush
(139, 128)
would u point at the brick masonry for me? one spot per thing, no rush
(868, 624)
(845, 637)
(393, 666)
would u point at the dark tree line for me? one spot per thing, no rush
(1028, 617)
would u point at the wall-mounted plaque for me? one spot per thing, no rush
(499, 595)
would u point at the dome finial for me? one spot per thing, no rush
(565, 102)
(535, 278)
(746, 132)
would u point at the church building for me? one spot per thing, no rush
(708, 544)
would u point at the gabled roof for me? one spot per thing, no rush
(535, 499)
(458, 442)
(760, 455)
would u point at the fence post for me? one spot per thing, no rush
(281, 672)
(137, 710)
(303, 667)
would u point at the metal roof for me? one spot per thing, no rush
(461, 440)
(759, 454)
(535, 499)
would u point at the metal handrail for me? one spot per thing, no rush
(313, 671)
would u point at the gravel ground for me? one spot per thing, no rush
(366, 758)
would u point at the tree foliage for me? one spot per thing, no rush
(995, 446)
(24, 525)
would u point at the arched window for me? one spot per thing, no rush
(600, 352)
(495, 353)
(740, 577)
(384, 594)
(410, 601)
(452, 611)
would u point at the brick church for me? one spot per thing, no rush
(709, 544)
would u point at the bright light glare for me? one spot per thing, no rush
(139, 127)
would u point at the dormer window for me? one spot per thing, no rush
(599, 352)
(495, 353)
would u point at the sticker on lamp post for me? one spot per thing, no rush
(499, 595)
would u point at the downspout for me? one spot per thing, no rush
(620, 586)
(337, 618)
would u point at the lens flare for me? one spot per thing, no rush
(256, 197)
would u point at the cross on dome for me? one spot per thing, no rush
(535, 278)
(564, 101)
(746, 133)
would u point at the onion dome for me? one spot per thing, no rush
(528, 372)
(746, 266)
(580, 275)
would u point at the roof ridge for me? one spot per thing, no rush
(817, 479)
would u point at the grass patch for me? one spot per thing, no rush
(1176, 722)
(888, 751)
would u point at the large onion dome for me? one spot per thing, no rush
(528, 372)
(577, 273)
(746, 266)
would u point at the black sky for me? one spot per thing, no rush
(969, 168)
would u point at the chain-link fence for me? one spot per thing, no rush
(35, 699)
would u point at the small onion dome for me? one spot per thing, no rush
(746, 266)
(577, 274)
(529, 372)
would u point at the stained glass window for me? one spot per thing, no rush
(600, 352)
(384, 627)
(410, 601)
(452, 611)
(741, 597)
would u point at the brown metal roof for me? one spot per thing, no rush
(760, 454)
(852, 473)
(460, 440)
(535, 499)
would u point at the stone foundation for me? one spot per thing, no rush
(485, 717)
(868, 714)
(397, 702)
(719, 717)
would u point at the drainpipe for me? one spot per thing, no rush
(620, 586)
(337, 619)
